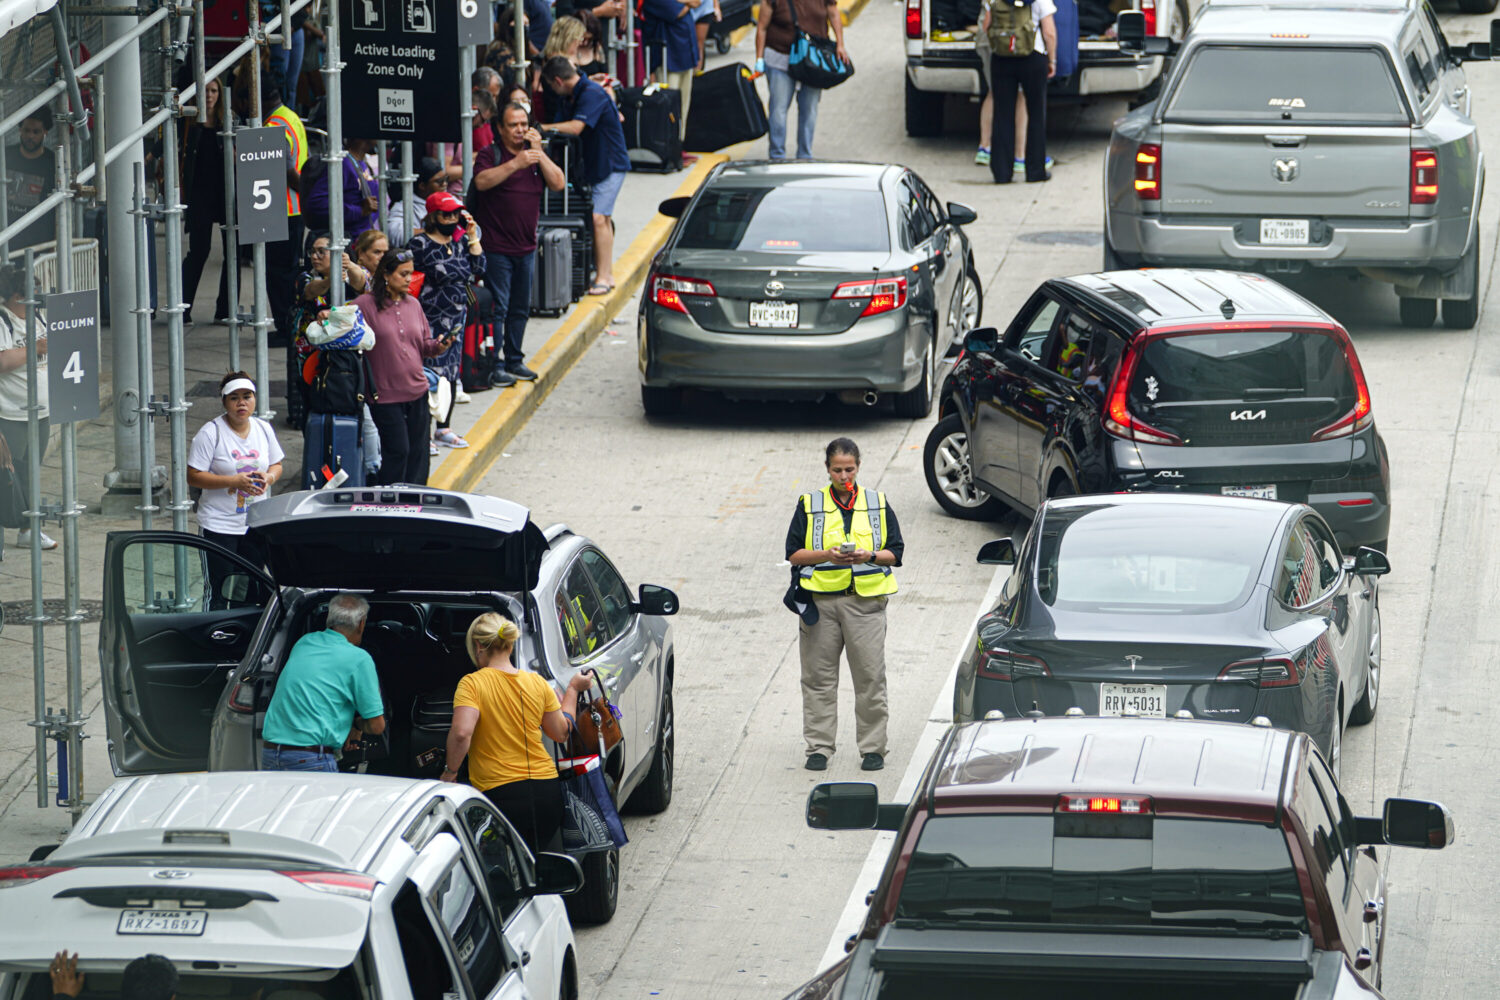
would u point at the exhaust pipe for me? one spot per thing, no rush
(871, 397)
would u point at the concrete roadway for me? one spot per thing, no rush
(727, 894)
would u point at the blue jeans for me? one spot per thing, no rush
(287, 67)
(509, 278)
(782, 88)
(272, 759)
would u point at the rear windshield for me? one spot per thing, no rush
(1140, 558)
(788, 218)
(1299, 84)
(1242, 386)
(1102, 869)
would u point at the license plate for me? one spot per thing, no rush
(183, 923)
(1149, 700)
(773, 314)
(1284, 232)
(1257, 492)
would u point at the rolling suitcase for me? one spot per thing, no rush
(576, 197)
(653, 127)
(725, 110)
(330, 442)
(737, 14)
(582, 230)
(552, 282)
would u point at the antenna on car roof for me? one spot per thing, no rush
(1227, 308)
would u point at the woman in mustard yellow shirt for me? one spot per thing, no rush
(499, 716)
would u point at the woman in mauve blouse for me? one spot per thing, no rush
(402, 340)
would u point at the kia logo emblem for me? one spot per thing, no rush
(173, 874)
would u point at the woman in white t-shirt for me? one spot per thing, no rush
(235, 459)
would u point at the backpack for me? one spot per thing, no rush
(1012, 33)
(340, 384)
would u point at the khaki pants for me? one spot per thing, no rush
(856, 626)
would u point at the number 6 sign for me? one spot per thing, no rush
(72, 331)
(260, 158)
(474, 27)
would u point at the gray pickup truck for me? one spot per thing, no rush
(1293, 135)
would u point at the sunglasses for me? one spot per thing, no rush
(402, 256)
(318, 252)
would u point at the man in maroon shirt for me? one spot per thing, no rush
(508, 182)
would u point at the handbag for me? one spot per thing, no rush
(345, 329)
(813, 61)
(597, 728)
(584, 830)
(12, 502)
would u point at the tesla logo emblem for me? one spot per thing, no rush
(171, 873)
(1247, 414)
(1132, 659)
(1169, 474)
(774, 288)
(1285, 170)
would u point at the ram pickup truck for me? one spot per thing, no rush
(1072, 858)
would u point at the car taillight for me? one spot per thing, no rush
(1118, 419)
(22, 874)
(337, 883)
(1148, 170)
(667, 290)
(1270, 673)
(1129, 805)
(913, 18)
(1148, 8)
(242, 697)
(1424, 176)
(885, 294)
(1003, 665)
(1362, 415)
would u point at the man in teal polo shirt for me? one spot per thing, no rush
(325, 694)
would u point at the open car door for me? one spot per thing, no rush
(179, 612)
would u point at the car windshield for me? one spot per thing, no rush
(1102, 869)
(787, 218)
(1230, 83)
(1145, 558)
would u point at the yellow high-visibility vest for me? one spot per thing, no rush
(296, 137)
(825, 530)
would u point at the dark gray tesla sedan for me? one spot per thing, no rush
(793, 280)
(1224, 607)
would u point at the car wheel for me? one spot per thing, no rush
(1477, 6)
(945, 459)
(924, 112)
(1418, 314)
(917, 402)
(1462, 314)
(595, 903)
(967, 307)
(660, 402)
(1364, 709)
(654, 793)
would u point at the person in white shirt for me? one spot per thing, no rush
(13, 383)
(1029, 73)
(235, 459)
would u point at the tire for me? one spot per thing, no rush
(595, 903)
(968, 311)
(660, 402)
(1462, 314)
(1418, 314)
(945, 461)
(723, 44)
(654, 793)
(924, 112)
(1477, 6)
(916, 403)
(1364, 709)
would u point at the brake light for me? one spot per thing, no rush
(1118, 419)
(667, 290)
(1362, 415)
(913, 18)
(22, 874)
(885, 294)
(1424, 176)
(337, 883)
(1357, 502)
(1275, 672)
(1003, 665)
(1128, 805)
(242, 698)
(1148, 169)
(1148, 8)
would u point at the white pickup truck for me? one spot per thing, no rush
(940, 56)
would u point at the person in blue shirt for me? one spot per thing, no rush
(325, 694)
(595, 118)
(669, 36)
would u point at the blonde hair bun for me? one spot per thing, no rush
(492, 631)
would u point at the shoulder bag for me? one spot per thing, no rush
(813, 61)
(597, 728)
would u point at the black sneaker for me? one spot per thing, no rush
(817, 762)
(872, 762)
(521, 372)
(500, 378)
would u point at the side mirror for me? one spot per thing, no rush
(1000, 552)
(982, 340)
(654, 600)
(1416, 823)
(843, 805)
(1134, 39)
(1371, 562)
(673, 208)
(1494, 37)
(1473, 52)
(43, 853)
(556, 875)
(961, 215)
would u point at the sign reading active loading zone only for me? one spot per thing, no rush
(401, 56)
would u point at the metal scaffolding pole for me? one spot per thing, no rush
(39, 618)
(408, 178)
(231, 241)
(261, 321)
(334, 156)
(177, 404)
(383, 190)
(142, 312)
(466, 109)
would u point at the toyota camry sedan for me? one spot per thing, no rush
(796, 280)
(1221, 607)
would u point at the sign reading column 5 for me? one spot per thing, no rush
(73, 356)
(260, 156)
(400, 78)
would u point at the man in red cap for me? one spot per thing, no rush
(509, 178)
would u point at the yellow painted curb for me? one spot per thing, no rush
(849, 10)
(499, 424)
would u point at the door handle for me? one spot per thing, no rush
(1363, 959)
(525, 958)
(1372, 910)
(224, 635)
(1285, 141)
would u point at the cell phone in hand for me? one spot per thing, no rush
(846, 549)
